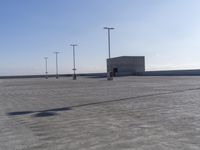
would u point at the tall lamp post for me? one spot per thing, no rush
(56, 64)
(74, 62)
(109, 72)
(46, 72)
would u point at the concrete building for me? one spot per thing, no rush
(126, 65)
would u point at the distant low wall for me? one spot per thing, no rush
(32, 76)
(173, 73)
(103, 75)
(94, 75)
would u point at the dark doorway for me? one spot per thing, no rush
(115, 71)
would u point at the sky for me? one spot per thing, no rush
(166, 32)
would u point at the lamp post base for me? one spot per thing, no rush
(109, 76)
(74, 77)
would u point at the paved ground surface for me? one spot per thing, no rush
(129, 113)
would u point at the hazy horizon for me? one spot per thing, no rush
(167, 33)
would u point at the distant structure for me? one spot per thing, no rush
(126, 65)
(193, 72)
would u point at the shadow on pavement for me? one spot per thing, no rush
(20, 113)
(42, 113)
(52, 112)
(45, 114)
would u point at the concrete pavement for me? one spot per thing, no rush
(130, 113)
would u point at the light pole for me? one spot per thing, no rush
(56, 64)
(74, 63)
(109, 72)
(46, 72)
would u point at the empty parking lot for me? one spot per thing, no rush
(130, 113)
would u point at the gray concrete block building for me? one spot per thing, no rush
(126, 65)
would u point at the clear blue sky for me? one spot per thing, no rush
(166, 32)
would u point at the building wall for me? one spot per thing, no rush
(127, 65)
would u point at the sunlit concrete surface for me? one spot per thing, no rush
(128, 113)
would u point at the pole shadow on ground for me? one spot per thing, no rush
(53, 112)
